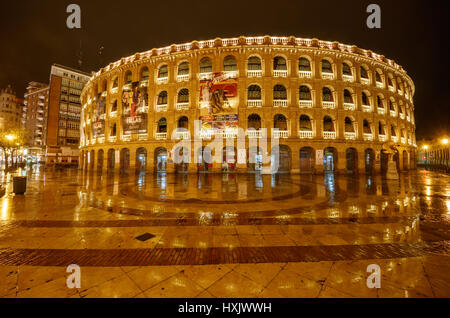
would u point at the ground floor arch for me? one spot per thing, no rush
(111, 159)
(100, 159)
(281, 159)
(369, 160)
(204, 160)
(161, 159)
(330, 159)
(405, 159)
(351, 160)
(306, 160)
(229, 159)
(124, 160)
(181, 159)
(141, 159)
(254, 159)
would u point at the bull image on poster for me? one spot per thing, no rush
(218, 94)
(98, 127)
(134, 103)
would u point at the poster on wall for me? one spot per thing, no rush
(319, 157)
(218, 94)
(98, 118)
(219, 123)
(134, 109)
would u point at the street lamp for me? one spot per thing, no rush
(10, 137)
(425, 147)
(445, 141)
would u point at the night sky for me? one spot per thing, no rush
(34, 35)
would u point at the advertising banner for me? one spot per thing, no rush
(219, 123)
(98, 119)
(134, 107)
(218, 94)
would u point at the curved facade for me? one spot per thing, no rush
(330, 107)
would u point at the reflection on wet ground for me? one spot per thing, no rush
(232, 235)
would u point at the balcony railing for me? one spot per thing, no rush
(305, 103)
(101, 140)
(381, 111)
(393, 113)
(350, 135)
(394, 138)
(392, 89)
(382, 138)
(254, 102)
(304, 74)
(182, 106)
(205, 76)
(380, 85)
(162, 80)
(305, 134)
(349, 106)
(329, 135)
(113, 114)
(253, 133)
(142, 136)
(368, 137)
(364, 81)
(161, 135)
(182, 135)
(280, 73)
(280, 103)
(366, 108)
(206, 133)
(280, 134)
(328, 76)
(161, 108)
(126, 137)
(183, 78)
(327, 104)
(232, 74)
(403, 140)
(114, 90)
(254, 73)
(112, 138)
(348, 78)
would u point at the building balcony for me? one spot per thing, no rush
(366, 108)
(280, 73)
(328, 76)
(126, 137)
(304, 74)
(327, 104)
(380, 85)
(254, 73)
(402, 116)
(305, 134)
(182, 135)
(329, 135)
(348, 78)
(350, 135)
(394, 138)
(182, 106)
(142, 136)
(162, 80)
(205, 76)
(381, 111)
(280, 103)
(403, 140)
(161, 135)
(368, 137)
(393, 113)
(365, 81)
(231, 133)
(101, 140)
(112, 138)
(277, 134)
(349, 106)
(114, 90)
(303, 103)
(254, 103)
(382, 138)
(113, 114)
(183, 78)
(161, 108)
(253, 133)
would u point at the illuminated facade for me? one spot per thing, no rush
(334, 107)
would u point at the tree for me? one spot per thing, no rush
(11, 139)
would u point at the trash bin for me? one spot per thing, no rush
(19, 185)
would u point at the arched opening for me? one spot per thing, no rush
(348, 98)
(281, 159)
(305, 123)
(254, 121)
(364, 73)
(162, 125)
(304, 93)
(351, 156)
(327, 67)
(92, 160)
(183, 96)
(279, 64)
(366, 127)
(228, 159)
(100, 158)
(306, 160)
(255, 159)
(181, 159)
(254, 63)
(111, 159)
(124, 160)
(396, 158)
(144, 74)
(330, 160)
(230, 64)
(405, 160)
(162, 98)
(304, 65)
(183, 69)
(369, 160)
(128, 78)
(205, 65)
(161, 159)
(279, 92)
(163, 71)
(365, 99)
(205, 162)
(346, 70)
(384, 158)
(183, 123)
(328, 125)
(349, 126)
(327, 95)
(280, 122)
(141, 159)
(254, 92)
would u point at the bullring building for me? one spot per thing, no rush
(330, 107)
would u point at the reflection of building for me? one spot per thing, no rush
(334, 106)
(11, 109)
(35, 116)
(64, 109)
(435, 153)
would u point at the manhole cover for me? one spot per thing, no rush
(144, 237)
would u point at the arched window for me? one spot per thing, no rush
(328, 124)
(229, 64)
(144, 74)
(183, 122)
(112, 130)
(254, 92)
(346, 70)
(326, 67)
(115, 83)
(378, 77)
(114, 106)
(305, 123)
(254, 63)
(381, 128)
(280, 122)
(327, 95)
(162, 98)
(304, 93)
(183, 96)
(380, 102)
(364, 73)
(393, 131)
(254, 121)
(183, 68)
(365, 99)
(279, 64)
(304, 65)
(348, 97)
(348, 123)
(205, 65)
(162, 125)
(391, 105)
(163, 71)
(279, 92)
(366, 127)
(390, 83)
(128, 77)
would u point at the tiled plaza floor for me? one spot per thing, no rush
(226, 236)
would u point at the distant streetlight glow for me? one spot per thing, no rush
(425, 147)
(445, 141)
(10, 137)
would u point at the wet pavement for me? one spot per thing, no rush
(235, 235)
